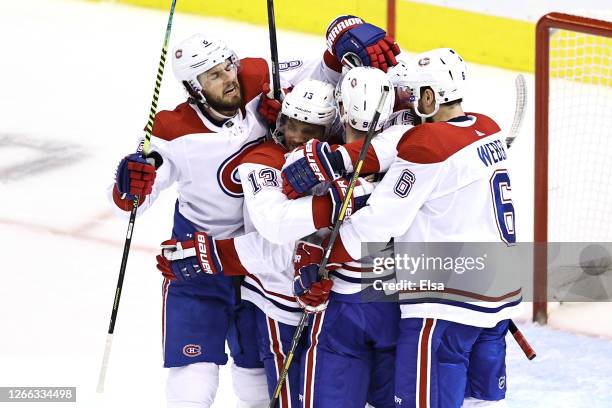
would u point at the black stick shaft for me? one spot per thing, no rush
(276, 89)
(283, 376)
(145, 149)
(322, 271)
(136, 202)
(362, 155)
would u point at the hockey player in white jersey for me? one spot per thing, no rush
(351, 351)
(449, 182)
(265, 255)
(274, 223)
(198, 146)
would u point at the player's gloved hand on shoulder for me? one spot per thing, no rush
(311, 292)
(309, 165)
(135, 174)
(269, 108)
(357, 43)
(189, 260)
(338, 190)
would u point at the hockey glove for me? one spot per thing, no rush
(269, 108)
(357, 43)
(311, 293)
(191, 260)
(338, 190)
(309, 165)
(135, 174)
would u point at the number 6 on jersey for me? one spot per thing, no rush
(504, 209)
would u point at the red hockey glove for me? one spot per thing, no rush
(311, 292)
(269, 108)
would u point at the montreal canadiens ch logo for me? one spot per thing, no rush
(227, 175)
(192, 350)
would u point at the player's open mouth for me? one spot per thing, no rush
(230, 90)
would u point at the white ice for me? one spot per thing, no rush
(76, 80)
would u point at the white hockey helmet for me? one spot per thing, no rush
(399, 74)
(196, 55)
(441, 69)
(359, 93)
(311, 101)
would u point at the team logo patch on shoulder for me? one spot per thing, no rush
(192, 350)
(424, 61)
(178, 53)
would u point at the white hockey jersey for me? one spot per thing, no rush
(353, 276)
(449, 183)
(202, 157)
(273, 224)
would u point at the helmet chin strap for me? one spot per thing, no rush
(344, 120)
(212, 111)
(425, 115)
(217, 113)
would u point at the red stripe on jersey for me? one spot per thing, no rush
(181, 121)
(226, 251)
(339, 254)
(423, 367)
(322, 211)
(465, 293)
(360, 269)
(279, 359)
(165, 286)
(435, 142)
(253, 74)
(268, 292)
(370, 164)
(268, 153)
(332, 62)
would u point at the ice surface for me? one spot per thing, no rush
(80, 75)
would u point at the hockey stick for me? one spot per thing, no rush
(522, 341)
(519, 110)
(276, 89)
(362, 155)
(332, 238)
(519, 114)
(128, 239)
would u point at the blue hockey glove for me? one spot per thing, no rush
(357, 43)
(190, 260)
(310, 165)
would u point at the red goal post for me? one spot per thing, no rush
(573, 68)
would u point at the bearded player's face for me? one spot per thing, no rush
(221, 88)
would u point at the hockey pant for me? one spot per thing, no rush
(439, 363)
(350, 356)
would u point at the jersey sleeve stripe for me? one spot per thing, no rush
(228, 256)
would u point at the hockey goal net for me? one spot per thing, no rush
(573, 140)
